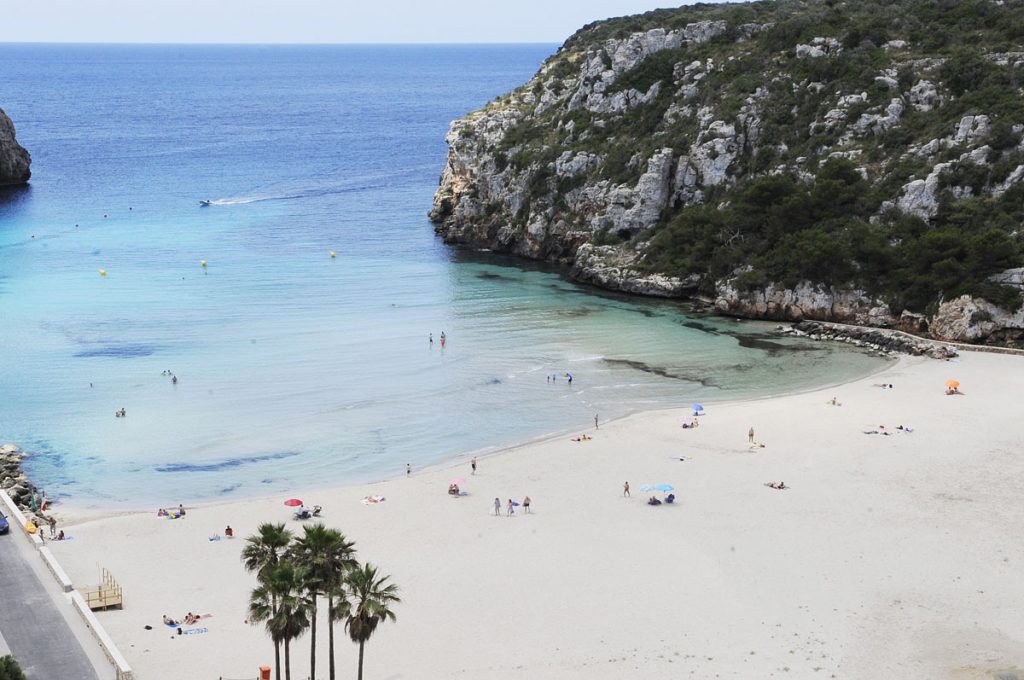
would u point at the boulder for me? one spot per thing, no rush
(975, 320)
(15, 161)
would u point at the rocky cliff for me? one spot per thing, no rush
(858, 162)
(14, 160)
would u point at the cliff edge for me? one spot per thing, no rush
(800, 159)
(14, 159)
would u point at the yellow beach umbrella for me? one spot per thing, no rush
(202, 262)
(333, 254)
(952, 383)
(103, 272)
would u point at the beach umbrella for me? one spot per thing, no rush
(697, 407)
(457, 480)
(648, 487)
(952, 383)
(293, 502)
(664, 487)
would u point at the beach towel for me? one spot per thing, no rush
(195, 631)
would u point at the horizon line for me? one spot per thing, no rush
(275, 44)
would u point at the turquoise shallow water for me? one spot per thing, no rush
(297, 369)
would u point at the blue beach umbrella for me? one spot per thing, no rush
(664, 487)
(697, 407)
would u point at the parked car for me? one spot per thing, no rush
(4, 525)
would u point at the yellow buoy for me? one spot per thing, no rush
(333, 254)
(202, 262)
(103, 272)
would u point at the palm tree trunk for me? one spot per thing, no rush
(330, 636)
(361, 643)
(312, 642)
(287, 661)
(277, 643)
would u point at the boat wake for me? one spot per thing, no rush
(295, 191)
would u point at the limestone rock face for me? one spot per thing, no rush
(804, 301)
(14, 159)
(919, 196)
(975, 320)
(611, 268)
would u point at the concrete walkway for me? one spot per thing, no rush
(32, 618)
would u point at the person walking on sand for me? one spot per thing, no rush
(508, 508)
(497, 507)
(750, 435)
(53, 526)
(526, 505)
(472, 464)
(625, 490)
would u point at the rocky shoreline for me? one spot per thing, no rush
(875, 339)
(17, 485)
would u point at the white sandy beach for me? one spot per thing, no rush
(889, 557)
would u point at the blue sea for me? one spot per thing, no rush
(296, 369)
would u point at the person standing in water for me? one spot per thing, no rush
(596, 426)
(431, 337)
(444, 338)
(408, 469)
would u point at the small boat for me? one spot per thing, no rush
(205, 204)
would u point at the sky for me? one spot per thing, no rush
(307, 21)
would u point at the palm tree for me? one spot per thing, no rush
(263, 552)
(324, 555)
(279, 602)
(369, 605)
(266, 548)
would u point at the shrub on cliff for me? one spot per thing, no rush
(785, 231)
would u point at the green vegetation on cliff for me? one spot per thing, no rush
(788, 231)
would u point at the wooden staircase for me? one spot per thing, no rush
(107, 595)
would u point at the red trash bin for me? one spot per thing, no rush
(264, 672)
